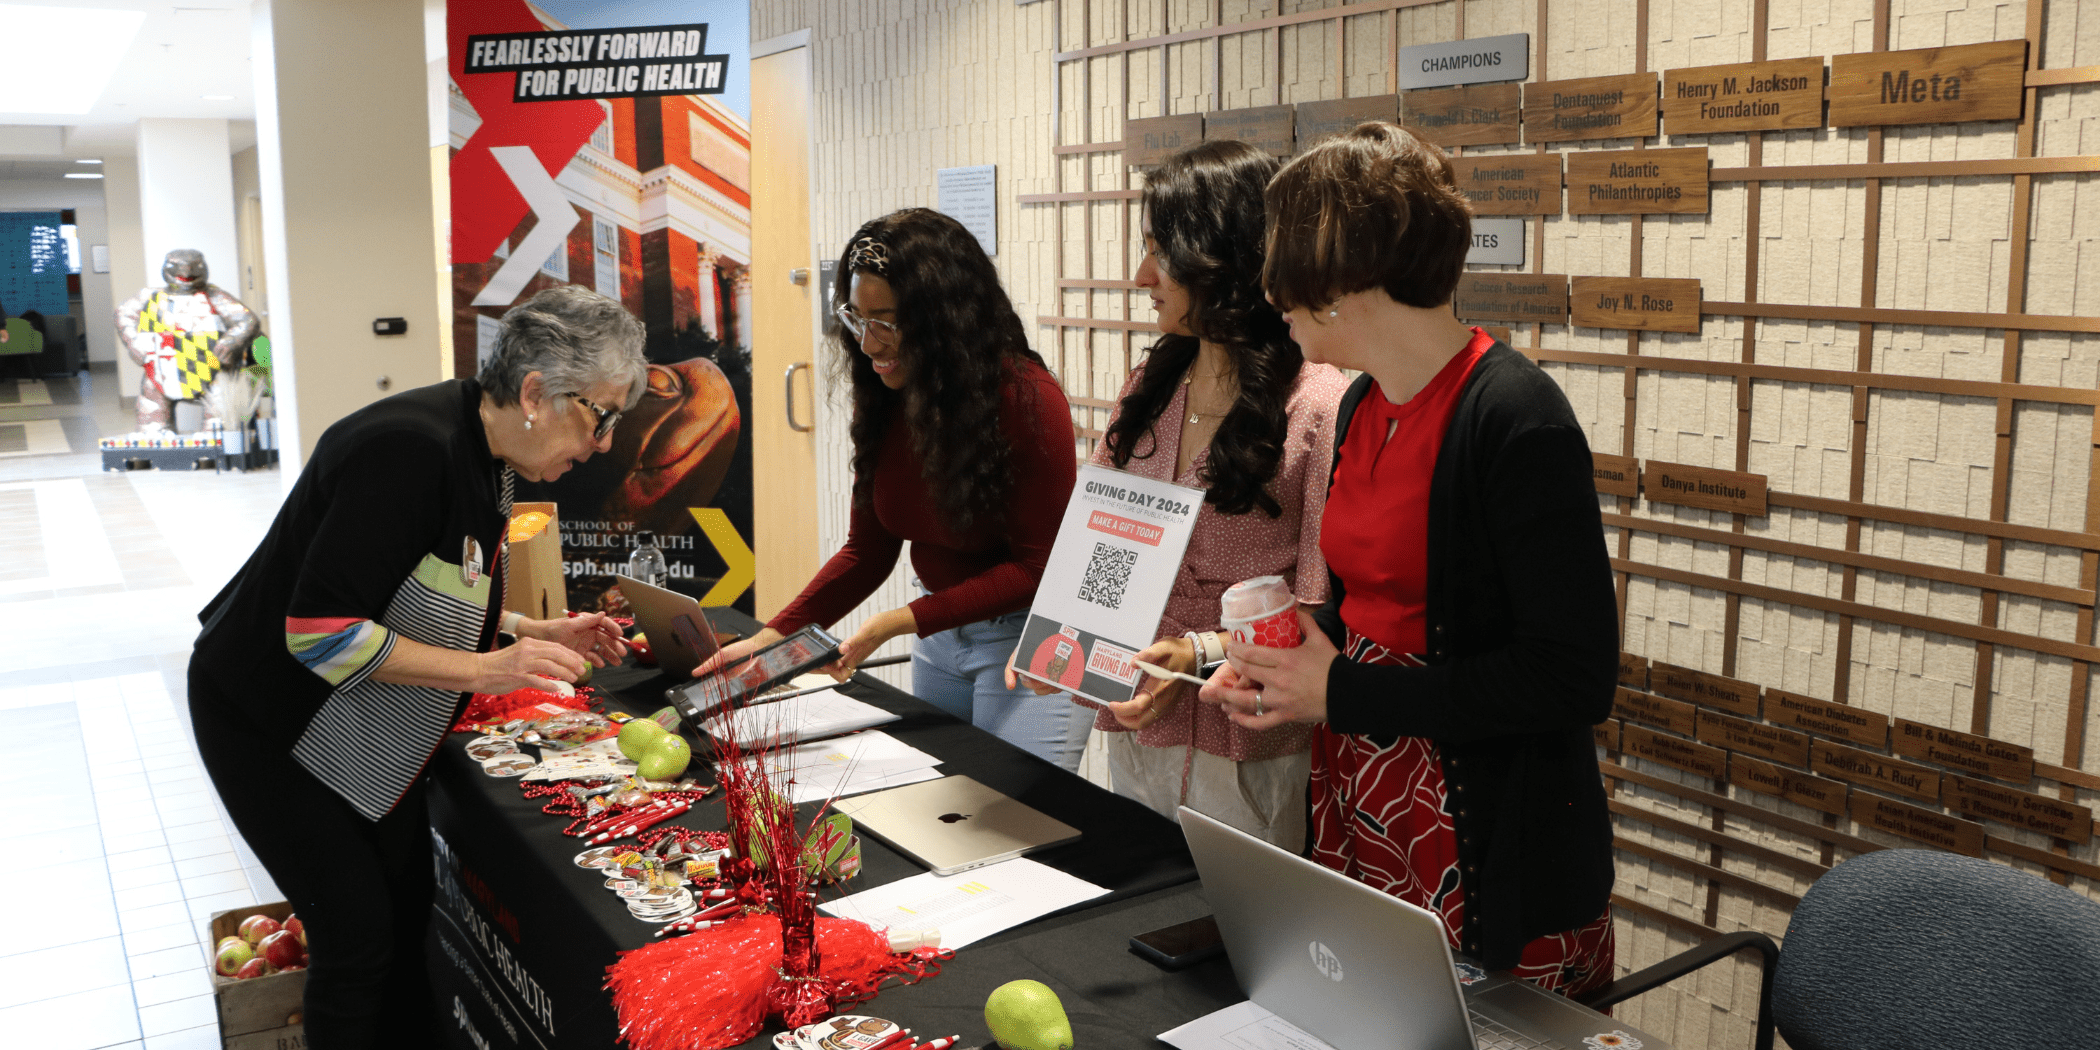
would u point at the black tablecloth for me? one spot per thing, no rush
(521, 936)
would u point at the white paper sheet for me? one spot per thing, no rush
(810, 717)
(850, 765)
(1242, 1026)
(967, 906)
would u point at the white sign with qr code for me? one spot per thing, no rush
(1117, 552)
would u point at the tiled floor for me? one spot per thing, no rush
(119, 851)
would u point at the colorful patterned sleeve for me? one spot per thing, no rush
(342, 650)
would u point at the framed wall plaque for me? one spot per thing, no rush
(1606, 733)
(1318, 121)
(1645, 304)
(1724, 490)
(1924, 825)
(1851, 724)
(1866, 768)
(1638, 182)
(1512, 184)
(1633, 670)
(1748, 96)
(1934, 85)
(1519, 298)
(1271, 129)
(1479, 115)
(1618, 107)
(1149, 140)
(1964, 751)
(1804, 789)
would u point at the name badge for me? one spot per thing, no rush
(470, 563)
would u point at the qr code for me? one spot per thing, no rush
(1107, 573)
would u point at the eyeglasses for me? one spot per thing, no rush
(606, 420)
(860, 326)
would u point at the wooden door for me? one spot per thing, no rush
(784, 295)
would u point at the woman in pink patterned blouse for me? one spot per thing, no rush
(1247, 419)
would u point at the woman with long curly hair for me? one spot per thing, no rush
(1223, 402)
(962, 444)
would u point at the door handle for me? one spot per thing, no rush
(789, 380)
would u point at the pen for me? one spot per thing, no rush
(900, 1037)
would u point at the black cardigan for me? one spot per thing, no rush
(1523, 657)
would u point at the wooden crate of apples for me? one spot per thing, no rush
(259, 975)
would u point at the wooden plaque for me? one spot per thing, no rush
(1765, 741)
(1756, 774)
(1708, 762)
(1984, 800)
(1892, 775)
(1633, 670)
(1498, 331)
(1924, 825)
(1322, 120)
(1673, 715)
(1268, 128)
(1475, 115)
(1616, 475)
(1933, 85)
(1647, 304)
(1514, 297)
(1964, 751)
(1638, 182)
(1728, 694)
(1705, 487)
(1149, 140)
(1619, 107)
(1750, 96)
(1852, 724)
(1607, 734)
(1514, 184)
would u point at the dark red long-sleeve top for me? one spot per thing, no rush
(983, 573)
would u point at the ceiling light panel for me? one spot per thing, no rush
(61, 59)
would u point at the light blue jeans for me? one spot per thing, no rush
(962, 671)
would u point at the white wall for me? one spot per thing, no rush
(84, 196)
(128, 271)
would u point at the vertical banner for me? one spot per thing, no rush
(609, 145)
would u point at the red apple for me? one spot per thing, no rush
(232, 957)
(256, 927)
(282, 949)
(253, 969)
(298, 928)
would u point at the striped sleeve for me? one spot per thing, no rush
(342, 650)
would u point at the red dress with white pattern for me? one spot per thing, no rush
(1381, 812)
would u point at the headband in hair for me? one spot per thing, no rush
(869, 254)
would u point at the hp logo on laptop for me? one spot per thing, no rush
(1325, 961)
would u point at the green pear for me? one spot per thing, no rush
(1026, 1015)
(639, 737)
(666, 759)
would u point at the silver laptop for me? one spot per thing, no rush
(1364, 970)
(954, 823)
(679, 635)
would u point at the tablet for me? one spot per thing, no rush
(742, 682)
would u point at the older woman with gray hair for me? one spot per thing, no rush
(335, 661)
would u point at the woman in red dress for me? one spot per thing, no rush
(1471, 639)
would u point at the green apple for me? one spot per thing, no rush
(638, 737)
(666, 758)
(1026, 1015)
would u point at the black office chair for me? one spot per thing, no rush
(1906, 949)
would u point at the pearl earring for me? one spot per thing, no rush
(528, 422)
(1334, 313)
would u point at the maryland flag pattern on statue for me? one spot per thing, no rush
(194, 363)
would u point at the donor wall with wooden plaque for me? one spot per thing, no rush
(1832, 281)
